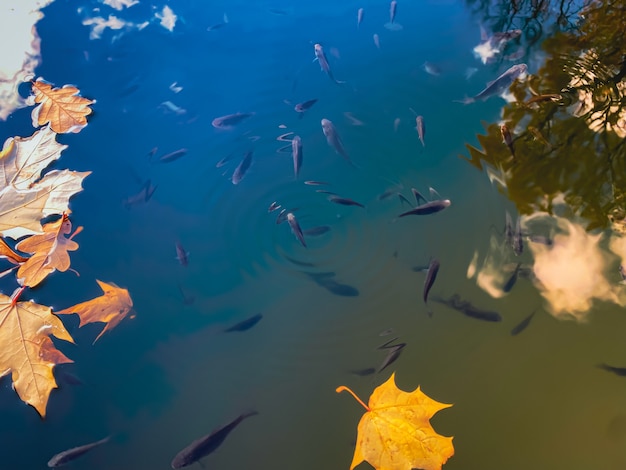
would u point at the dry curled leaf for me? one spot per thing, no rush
(27, 351)
(395, 432)
(22, 210)
(50, 251)
(110, 308)
(61, 107)
(8, 253)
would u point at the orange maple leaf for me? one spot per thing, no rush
(50, 251)
(110, 308)
(395, 433)
(27, 351)
(61, 107)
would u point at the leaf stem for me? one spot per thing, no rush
(343, 388)
(16, 295)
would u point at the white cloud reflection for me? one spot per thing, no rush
(21, 54)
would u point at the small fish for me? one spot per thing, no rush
(333, 139)
(175, 87)
(359, 17)
(187, 299)
(508, 286)
(428, 208)
(72, 454)
(621, 371)
(337, 288)
(246, 324)
(470, 310)
(500, 84)
(396, 124)
(507, 139)
(296, 153)
(344, 201)
(392, 26)
(363, 372)
(230, 120)
(392, 356)
(169, 106)
(224, 160)
(518, 241)
(242, 168)
(376, 39)
(316, 231)
(282, 216)
(207, 444)
(431, 69)
(219, 25)
(152, 152)
(295, 228)
(301, 108)
(315, 183)
(469, 72)
(170, 157)
(431, 275)
(324, 65)
(273, 206)
(521, 326)
(354, 121)
(181, 255)
(421, 129)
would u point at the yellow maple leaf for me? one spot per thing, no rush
(110, 308)
(395, 432)
(27, 351)
(50, 251)
(61, 107)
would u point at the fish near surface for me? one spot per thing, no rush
(67, 456)
(320, 56)
(316, 231)
(205, 445)
(246, 324)
(242, 168)
(431, 275)
(295, 228)
(428, 208)
(470, 310)
(181, 255)
(621, 371)
(301, 108)
(230, 120)
(392, 25)
(500, 84)
(521, 326)
(333, 139)
(359, 17)
(421, 129)
(344, 201)
(296, 153)
(170, 157)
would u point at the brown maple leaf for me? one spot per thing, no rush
(61, 107)
(27, 351)
(50, 251)
(110, 308)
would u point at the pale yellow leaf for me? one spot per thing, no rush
(61, 107)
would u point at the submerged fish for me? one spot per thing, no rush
(421, 129)
(207, 444)
(333, 139)
(316, 231)
(428, 208)
(181, 255)
(324, 65)
(301, 108)
(363, 372)
(431, 69)
(392, 26)
(621, 371)
(497, 86)
(230, 120)
(242, 168)
(315, 183)
(245, 324)
(518, 241)
(376, 39)
(71, 454)
(392, 355)
(359, 17)
(170, 157)
(224, 160)
(470, 310)
(344, 201)
(295, 228)
(491, 46)
(296, 153)
(431, 275)
(521, 326)
(508, 286)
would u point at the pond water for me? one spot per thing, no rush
(548, 396)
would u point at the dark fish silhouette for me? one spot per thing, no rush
(316, 231)
(207, 444)
(621, 371)
(326, 281)
(295, 228)
(518, 241)
(521, 326)
(230, 120)
(363, 372)
(392, 355)
(72, 454)
(246, 324)
(428, 208)
(333, 139)
(469, 310)
(242, 168)
(431, 275)
(508, 286)
(301, 108)
(344, 201)
(170, 157)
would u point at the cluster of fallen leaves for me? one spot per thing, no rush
(395, 433)
(27, 197)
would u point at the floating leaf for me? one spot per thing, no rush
(61, 107)
(50, 252)
(27, 351)
(22, 210)
(8, 253)
(395, 433)
(110, 308)
(23, 158)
